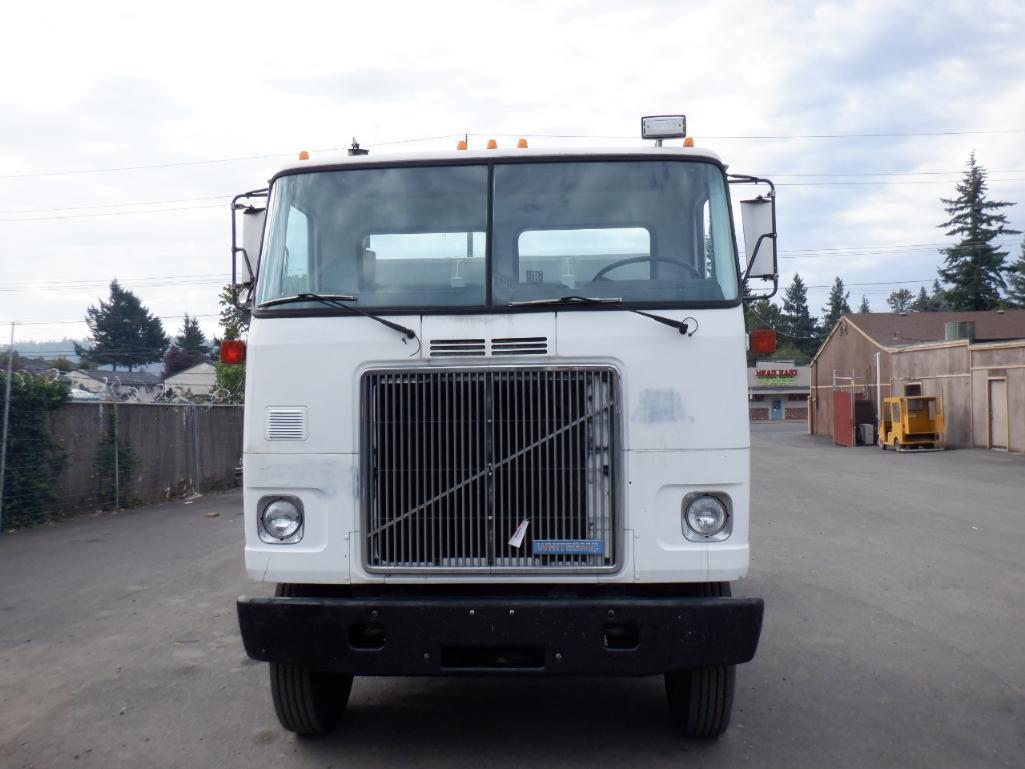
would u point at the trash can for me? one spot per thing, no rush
(867, 433)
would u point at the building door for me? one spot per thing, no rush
(843, 418)
(777, 409)
(998, 425)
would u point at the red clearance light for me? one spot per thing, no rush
(763, 341)
(233, 351)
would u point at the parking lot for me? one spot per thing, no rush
(894, 636)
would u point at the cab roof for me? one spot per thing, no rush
(336, 160)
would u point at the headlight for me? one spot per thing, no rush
(281, 519)
(706, 517)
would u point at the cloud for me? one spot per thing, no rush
(101, 89)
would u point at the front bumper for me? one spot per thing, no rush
(628, 636)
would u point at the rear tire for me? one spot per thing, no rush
(701, 700)
(307, 701)
(896, 444)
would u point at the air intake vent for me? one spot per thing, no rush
(286, 423)
(457, 347)
(525, 345)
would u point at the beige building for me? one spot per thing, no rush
(777, 390)
(198, 380)
(975, 360)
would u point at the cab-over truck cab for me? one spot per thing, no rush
(495, 422)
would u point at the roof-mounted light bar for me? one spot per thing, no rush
(664, 127)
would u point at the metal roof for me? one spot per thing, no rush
(891, 329)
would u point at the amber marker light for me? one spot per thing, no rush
(304, 155)
(521, 144)
(492, 144)
(688, 142)
(233, 351)
(461, 145)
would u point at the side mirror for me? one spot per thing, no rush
(759, 221)
(254, 213)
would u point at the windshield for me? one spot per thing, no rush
(645, 231)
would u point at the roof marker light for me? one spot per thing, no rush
(492, 144)
(304, 155)
(461, 145)
(688, 142)
(521, 144)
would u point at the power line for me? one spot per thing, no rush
(267, 156)
(108, 213)
(211, 161)
(113, 205)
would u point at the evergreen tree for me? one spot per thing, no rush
(900, 300)
(188, 349)
(191, 339)
(836, 307)
(123, 332)
(1016, 281)
(797, 322)
(975, 266)
(863, 307)
(939, 298)
(923, 302)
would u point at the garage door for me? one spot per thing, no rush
(998, 414)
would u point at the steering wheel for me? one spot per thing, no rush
(600, 275)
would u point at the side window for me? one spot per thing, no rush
(296, 277)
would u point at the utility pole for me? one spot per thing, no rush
(7, 414)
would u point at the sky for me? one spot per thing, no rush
(126, 127)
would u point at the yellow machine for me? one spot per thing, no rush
(912, 422)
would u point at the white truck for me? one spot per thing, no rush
(496, 420)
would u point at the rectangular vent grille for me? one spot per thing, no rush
(526, 345)
(286, 423)
(455, 460)
(457, 347)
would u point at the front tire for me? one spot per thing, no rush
(307, 701)
(701, 700)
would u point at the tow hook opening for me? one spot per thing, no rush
(493, 657)
(367, 637)
(621, 636)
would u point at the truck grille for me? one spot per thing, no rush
(455, 461)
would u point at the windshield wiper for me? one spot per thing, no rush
(339, 300)
(680, 325)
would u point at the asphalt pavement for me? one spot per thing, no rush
(894, 636)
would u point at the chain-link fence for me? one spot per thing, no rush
(63, 458)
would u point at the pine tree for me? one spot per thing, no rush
(797, 322)
(836, 307)
(939, 298)
(124, 333)
(923, 302)
(975, 266)
(900, 300)
(188, 349)
(863, 307)
(1016, 281)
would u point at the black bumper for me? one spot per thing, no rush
(629, 636)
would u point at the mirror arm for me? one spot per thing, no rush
(236, 249)
(745, 179)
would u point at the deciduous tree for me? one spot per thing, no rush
(900, 300)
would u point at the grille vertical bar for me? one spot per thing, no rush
(455, 460)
